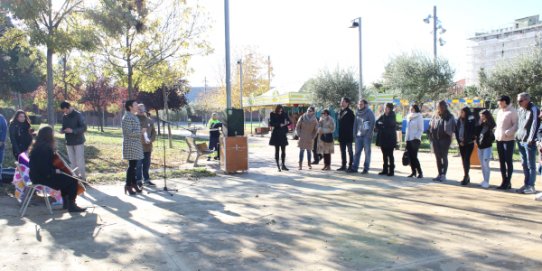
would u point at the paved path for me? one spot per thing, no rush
(296, 220)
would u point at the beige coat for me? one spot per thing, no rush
(326, 125)
(507, 124)
(306, 130)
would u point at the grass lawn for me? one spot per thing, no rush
(103, 155)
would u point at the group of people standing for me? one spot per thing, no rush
(510, 127)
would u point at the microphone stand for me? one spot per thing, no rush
(165, 189)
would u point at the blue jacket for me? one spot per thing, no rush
(3, 130)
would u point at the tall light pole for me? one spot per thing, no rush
(228, 75)
(356, 23)
(436, 26)
(240, 63)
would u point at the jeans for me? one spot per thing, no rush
(412, 147)
(466, 153)
(301, 153)
(528, 161)
(76, 154)
(441, 148)
(2, 159)
(344, 146)
(143, 167)
(485, 156)
(505, 149)
(362, 143)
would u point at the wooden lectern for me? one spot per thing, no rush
(233, 154)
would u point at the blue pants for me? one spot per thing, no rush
(485, 156)
(362, 143)
(143, 166)
(1, 159)
(301, 154)
(528, 161)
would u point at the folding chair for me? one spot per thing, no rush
(31, 190)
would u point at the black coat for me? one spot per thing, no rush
(20, 136)
(468, 134)
(346, 125)
(386, 126)
(278, 136)
(484, 135)
(76, 121)
(41, 166)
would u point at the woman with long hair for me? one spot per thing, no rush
(464, 133)
(386, 138)
(441, 129)
(326, 144)
(413, 137)
(43, 172)
(279, 120)
(20, 133)
(484, 140)
(306, 129)
(132, 148)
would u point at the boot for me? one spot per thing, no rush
(278, 165)
(505, 185)
(466, 180)
(420, 174)
(391, 172)
(283, 166)
(309, 164)
(384, 170)
(73, 208)
(65, 200)
(301, 165)
(128, 189)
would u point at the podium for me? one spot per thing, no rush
(233, 154)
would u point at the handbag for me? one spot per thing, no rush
(328, 138)
(406, 159)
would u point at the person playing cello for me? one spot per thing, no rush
(42, 170)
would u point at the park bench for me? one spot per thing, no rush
(199, 149)
(262, 130)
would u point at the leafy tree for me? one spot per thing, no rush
(50, 25)
(155, 100)
(329, 87)
(418, 77)
(138, 41)
(99, 94)
(20, 64)
(511, 78)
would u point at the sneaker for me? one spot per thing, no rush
(437, 179)
(520, 190)
(484, 184)
(343, 168)
(529, 190)
(149, 183)
(443, 178)
(365, 172)
(351, 170)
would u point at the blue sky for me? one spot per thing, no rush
(303, 37)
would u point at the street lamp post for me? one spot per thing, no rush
(356, 23)
(436, 26)
(227, 30)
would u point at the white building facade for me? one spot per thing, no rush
(488, 49)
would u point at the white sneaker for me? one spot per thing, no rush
(484, 184)
(529, 190)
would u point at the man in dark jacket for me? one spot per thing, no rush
(3, 136)
(74, 128)
(346, 133)
(528, 124)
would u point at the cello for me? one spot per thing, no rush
(63, 167)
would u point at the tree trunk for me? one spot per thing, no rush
(64, 59)
(19, 100)
(158, 122)
(50, 91)
(102, 119)
(129, 66)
